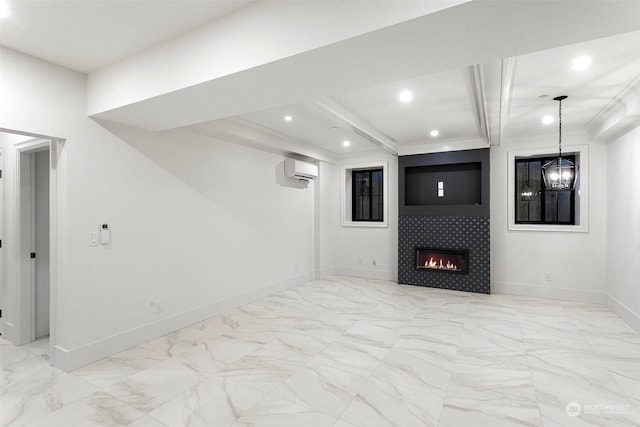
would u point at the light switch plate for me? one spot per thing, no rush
(93, 239)
(105, 234)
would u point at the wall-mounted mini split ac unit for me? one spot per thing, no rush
(297, 169)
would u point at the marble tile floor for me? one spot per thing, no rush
(348, 352)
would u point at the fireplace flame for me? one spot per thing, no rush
(440, 265)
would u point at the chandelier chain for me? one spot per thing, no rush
(560, 128)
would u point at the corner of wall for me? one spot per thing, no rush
(626, 313)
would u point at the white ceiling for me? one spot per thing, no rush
(86, 35)
(446, 101)
(471, 106)
(615, 64)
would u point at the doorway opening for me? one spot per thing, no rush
(39, 196)
(29, 240)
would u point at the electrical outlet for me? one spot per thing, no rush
(548, 277)
(359, 261)
(377, 263)
(156, 305)
(295, 268)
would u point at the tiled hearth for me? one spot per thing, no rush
(351, 352)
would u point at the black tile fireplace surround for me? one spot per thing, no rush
(457, 221)
(470, 233)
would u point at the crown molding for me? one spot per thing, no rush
(619, 116)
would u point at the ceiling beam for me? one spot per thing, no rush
(329, 107)
(244, 132)
(506, 94)
(476, 75)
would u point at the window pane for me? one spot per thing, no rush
(363, 208)
(564, 206)
(522, 206)
(376, 189)
(362, 183)
(551, 206)
(534, 205)
(367, 196)
(535, 185)
(376, 208)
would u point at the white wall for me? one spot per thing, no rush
(367, 244)
(623, 227)
(198, 224)
(520, 259)
(327, 219)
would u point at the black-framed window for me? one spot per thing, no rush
(367, 195)
(534, 204)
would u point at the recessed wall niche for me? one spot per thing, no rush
(425, 185)
(444, 203)
(452, 183)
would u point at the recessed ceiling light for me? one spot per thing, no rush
(581, 63)
(548, 119)
(405, 96)
(4, 9)
(346, 143)
(288, 118)
(434, 133)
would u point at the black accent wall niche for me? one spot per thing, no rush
(456, 218)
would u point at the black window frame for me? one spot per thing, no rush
(542, 194)
(355, 194)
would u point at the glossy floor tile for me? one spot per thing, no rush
(349, 352)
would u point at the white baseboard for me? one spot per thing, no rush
(564, 294)
(70, 359)
(366, 273)
(627, 314)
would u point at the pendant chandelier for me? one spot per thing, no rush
(559, 174)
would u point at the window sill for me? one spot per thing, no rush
(549, 228)
(358, 224)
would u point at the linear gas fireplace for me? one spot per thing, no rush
(449, 260)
